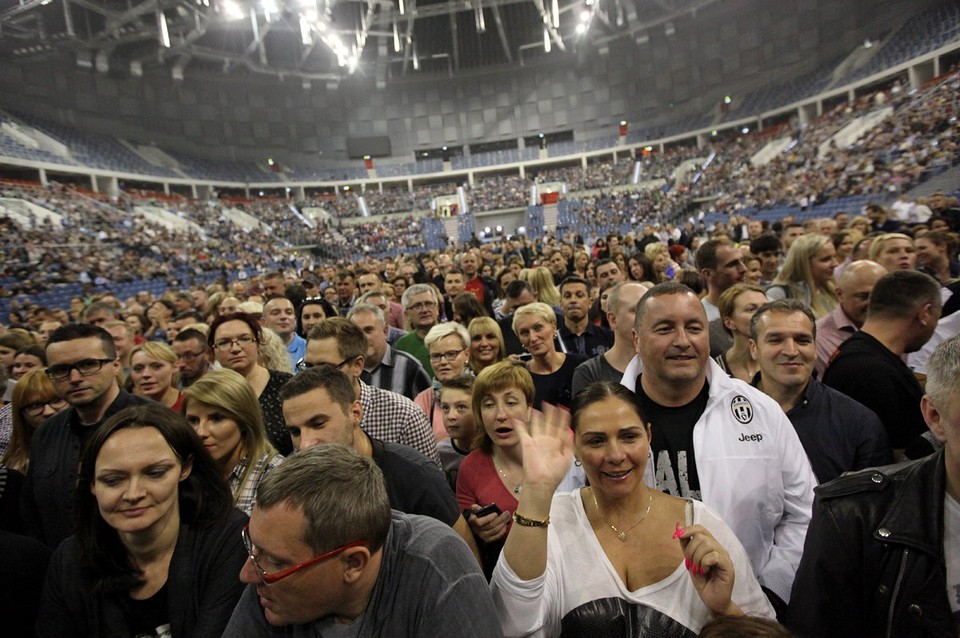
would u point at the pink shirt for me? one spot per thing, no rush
(832, 330)
(428, 405)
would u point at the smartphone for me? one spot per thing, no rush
(492, 508)
(526, 356)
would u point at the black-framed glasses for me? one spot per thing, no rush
(449, 355)
(36, 408)
(270, 578)
(242, 341)
(86, 368)
(306, 365)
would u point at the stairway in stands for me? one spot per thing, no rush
(947, 181)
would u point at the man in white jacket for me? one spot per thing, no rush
(719, 440)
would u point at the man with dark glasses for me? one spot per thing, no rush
(83, 365)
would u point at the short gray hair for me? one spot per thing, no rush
(417, 289)
(943, 372)
(367, 307)
(341, 493)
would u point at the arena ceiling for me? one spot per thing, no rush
(324, 39)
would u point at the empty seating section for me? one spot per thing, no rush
(920, 34)
(774, 96)
(225, 171)
(97, 151)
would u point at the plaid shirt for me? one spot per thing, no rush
(245, 495)
(389, 416)
(398, 372)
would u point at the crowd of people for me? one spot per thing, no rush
(675, 427)
(634, 420)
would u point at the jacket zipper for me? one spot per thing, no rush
(896, 590)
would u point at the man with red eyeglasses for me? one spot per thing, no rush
(328, 556)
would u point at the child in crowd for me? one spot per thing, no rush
(455, 397)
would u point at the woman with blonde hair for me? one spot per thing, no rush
(541, 280)
(580, 262)
(535, 324)
(34, 401)
(807, 275)
(273, 354)
(486, 343)
(449, 347)
(153, 371)
(659, 256)
(224, 411)
(894, 251)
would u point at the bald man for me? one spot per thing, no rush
(853, 289)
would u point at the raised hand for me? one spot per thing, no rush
(710, 567)
(547, 445)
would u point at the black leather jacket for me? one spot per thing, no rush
(873, 559)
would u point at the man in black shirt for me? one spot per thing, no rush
(904, 309)
(82, 363)
(320, 406)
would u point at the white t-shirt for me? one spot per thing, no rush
(581, 592)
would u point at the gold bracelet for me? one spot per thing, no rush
(530, 522)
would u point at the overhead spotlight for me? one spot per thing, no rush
(521, 230)
(487, 230)
(745, 130)
(585, 15)
(162, 30)
(269, 161)
(669, 29)
(499, 229)
(713, 132)
(581, 28)
(727, 100)
(231, 10)
(867, 44)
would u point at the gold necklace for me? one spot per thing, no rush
(622, 535)
(518, 488)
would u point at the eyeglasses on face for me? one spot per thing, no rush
(242, 341)
(306, 365)
(272, 577)
(423, 305)
(36, 408)
(86, 368)
(449, 355)
(190, 357)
